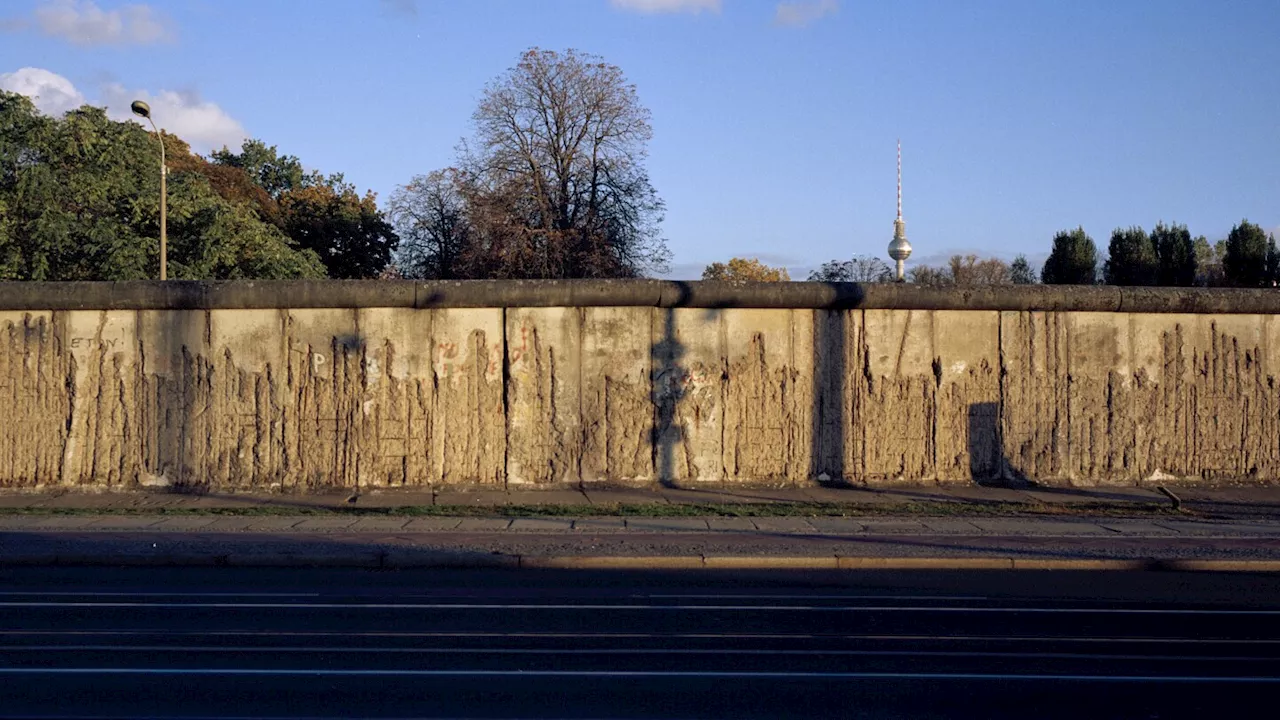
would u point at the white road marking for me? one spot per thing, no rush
(620, 651)
(625, 636)
(1110, 679)
(665, 608)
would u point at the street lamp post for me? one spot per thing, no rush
(141, 109)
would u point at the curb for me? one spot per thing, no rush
(490, 561)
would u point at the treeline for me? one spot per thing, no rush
(1168, 256)
(79, 200)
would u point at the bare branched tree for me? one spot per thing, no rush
(431, 216)
(555, 176)
(860, 269)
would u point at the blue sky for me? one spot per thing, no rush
(774, 123)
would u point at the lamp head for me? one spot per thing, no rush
(141, 109)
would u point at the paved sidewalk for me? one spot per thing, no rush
(1257, 498)
(812, 526)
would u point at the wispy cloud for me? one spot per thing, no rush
(83, 22)
(803, 12)
(203, 124)
(654, 7)
(407, 8)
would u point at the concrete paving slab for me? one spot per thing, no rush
(20, 500)
(479, 498)
(64, 522)
(837, 525)
(189, 522)
(783, 524)
(951, 526)
(879, 526)
(600, 524)
(125, 522)
(326, 523)
(977, 493)
(846, 495)
(623, 496)
(547, 497)
(541, 525)
(484, 524)
(713, 496)
(231, 524)
(274, 524)
(666, 524)
(379, 524)
(724, 524)
(1137, 527)
(396, 498)
(1095, 495)
(694, 496)
(85, 500)
(431, 524)
(1193, 527)
(1017, 526)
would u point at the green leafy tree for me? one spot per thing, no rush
(1176, 257)
(81, 193)
(1132, 258)
(326, 215)
(1244, 264)
(745, 270)
(1020, 272)
(1073, 260)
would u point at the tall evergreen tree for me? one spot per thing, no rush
(1020, 271)
(1245, 261)
(1132, 258)
(1073, 260)
(1176, 264)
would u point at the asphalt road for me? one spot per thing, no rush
(225, 642)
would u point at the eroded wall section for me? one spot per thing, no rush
(309, 398)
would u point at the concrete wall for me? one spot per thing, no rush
(405, 384)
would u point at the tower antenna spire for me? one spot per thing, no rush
(899, 178)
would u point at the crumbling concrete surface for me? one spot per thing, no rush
(307, 398)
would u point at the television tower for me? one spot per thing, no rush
(899, 248)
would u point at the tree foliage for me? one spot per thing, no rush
(1209, 262)
(1176, 259)
(551, 185)
(1020, 272)
(1131, 258)
(859, 268)
(1244, 261)
(1072, 261)
(326, 215)
(80, 200)
(745, 270)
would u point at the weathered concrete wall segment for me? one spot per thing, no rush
(304, 398)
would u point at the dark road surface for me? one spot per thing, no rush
(314, 643)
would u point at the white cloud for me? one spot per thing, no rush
(82, 22)
(51, 93)
(203, 124)
(801, 13)
(667, 6)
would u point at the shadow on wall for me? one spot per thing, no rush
(988, 464)
(831, 399)
(669, 381)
